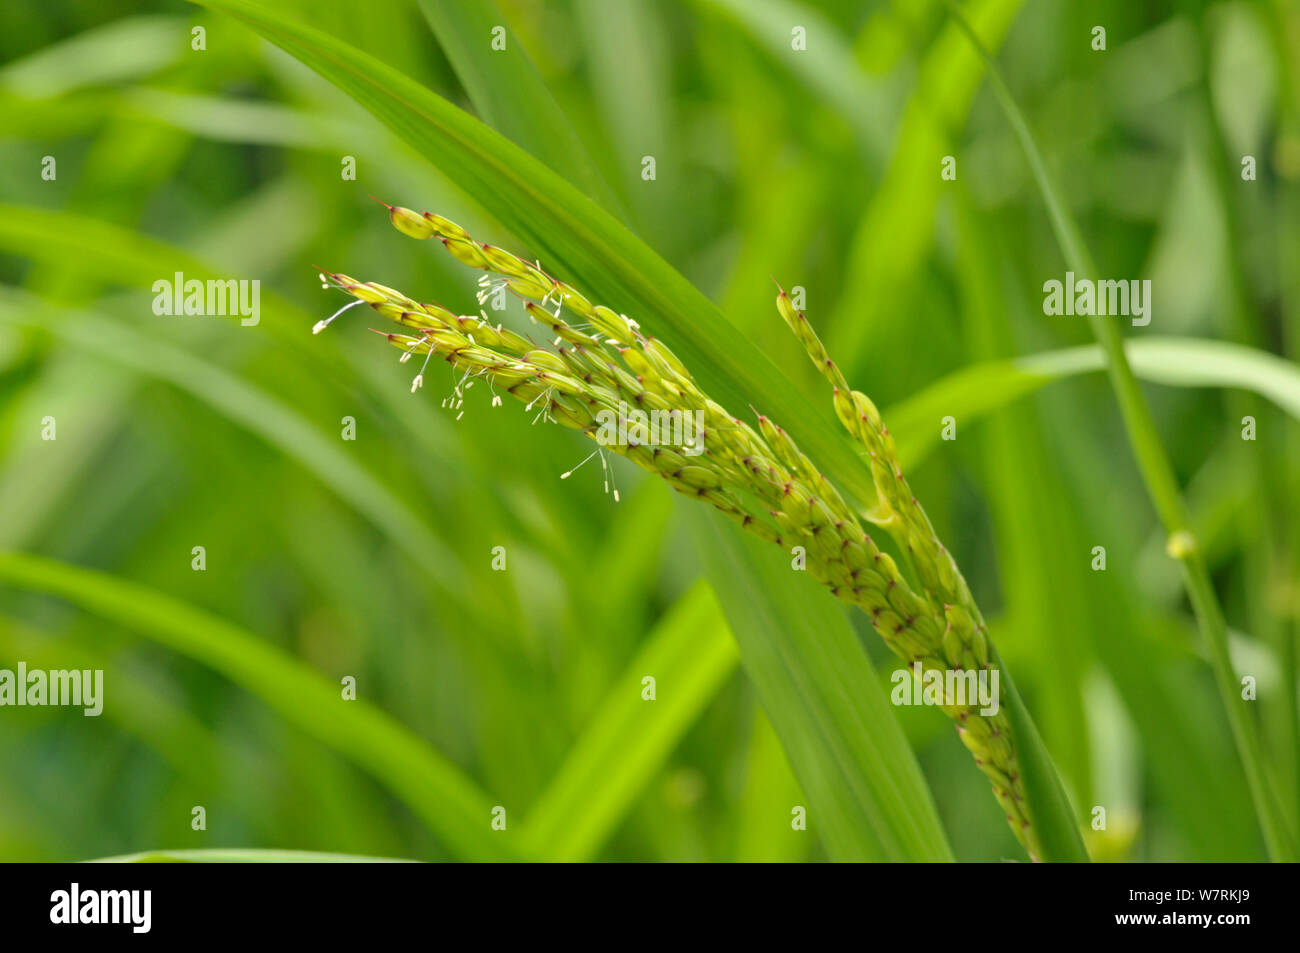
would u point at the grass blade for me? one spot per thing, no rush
(690, 653)
(434, 789)
(980, 389)
(242, 855)
(831, 73)
(509, 93)
(120, 51)
(1049, 807)
(867, 798)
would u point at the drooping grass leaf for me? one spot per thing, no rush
(984, 388)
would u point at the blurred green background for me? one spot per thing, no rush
(372, 557)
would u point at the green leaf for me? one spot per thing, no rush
(242, 855)
(125, 49)
(867, 798)
(1049, 807)
(433, 788)
(508, 92)
(770, 789)
(980, 389)
(627, 52)
(690, 653)
(571, 235)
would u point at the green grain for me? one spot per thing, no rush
(757, 477)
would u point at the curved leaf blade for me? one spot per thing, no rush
(980, 389)
(509, 93)
(433, 788)
(867, 797)
(243, 855)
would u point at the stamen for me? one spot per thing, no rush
(609, 475)
(419, 378)
(569, 473)
(322, 325)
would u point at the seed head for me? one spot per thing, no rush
(758, 478)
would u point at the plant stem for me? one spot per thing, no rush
(1158, 475)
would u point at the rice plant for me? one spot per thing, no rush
(244, 569)
(759, 479)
